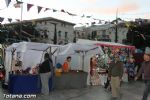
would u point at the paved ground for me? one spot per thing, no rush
(130, 91)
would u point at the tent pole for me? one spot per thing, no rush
(83, 61)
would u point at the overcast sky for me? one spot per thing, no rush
(99, 9)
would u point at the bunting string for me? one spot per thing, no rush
(39, 8)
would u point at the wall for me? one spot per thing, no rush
(104, 32)
(61, 29)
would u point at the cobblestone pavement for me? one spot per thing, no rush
(129, 91)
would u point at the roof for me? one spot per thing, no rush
(42, 19)
(102, 43)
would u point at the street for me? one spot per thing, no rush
(129, 91)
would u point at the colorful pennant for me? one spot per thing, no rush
(1, 19)
(29, 6)
(7, 2)
(9, 19)
(39, 8)
(46, 9)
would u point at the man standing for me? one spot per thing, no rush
(45, 73)
(115, 73)
(145, 69)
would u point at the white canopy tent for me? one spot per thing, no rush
(29, 53)
(108, 44)
(80, 54)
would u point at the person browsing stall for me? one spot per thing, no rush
(145, 69)
(45, 73)
(66, 65)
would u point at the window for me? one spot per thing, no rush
(94, 34)
(104, 32)
(66, 34)
(66, 37)
(59, 33)
(63, 25)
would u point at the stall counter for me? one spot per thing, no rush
(25, 84)
(71, 80)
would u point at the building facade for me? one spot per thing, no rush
(52, 29)
(46, 30)
(106, 32)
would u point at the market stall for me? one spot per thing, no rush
(21, 61)
(79, 76)
(125, 52)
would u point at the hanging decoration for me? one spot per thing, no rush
(7, 2)
(1, 19)
(9, 19)
(29, 6)
(39, 8)
(18, 20)
(54, 10)
(92, 23)
(46, 9)
(62, 10)
(88, 16)
(71, 14)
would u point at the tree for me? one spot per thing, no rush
(139, 35)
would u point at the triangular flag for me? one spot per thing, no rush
(71, 14)
(1, 19)
(7, 2)
(88, 16)
(19, 2)
(39, 8)
(29, 6)
(46, 9)
(54, 10)
(9, 19)
(92, 23)
(63, 10)
(18, 20)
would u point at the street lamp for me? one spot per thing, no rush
(116, 33)
(55, 33)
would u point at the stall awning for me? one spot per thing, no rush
(102, 43)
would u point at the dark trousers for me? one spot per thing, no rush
(146, 90)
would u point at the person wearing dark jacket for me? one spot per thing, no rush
(115, 73)
(145, 69)
(45, 73)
